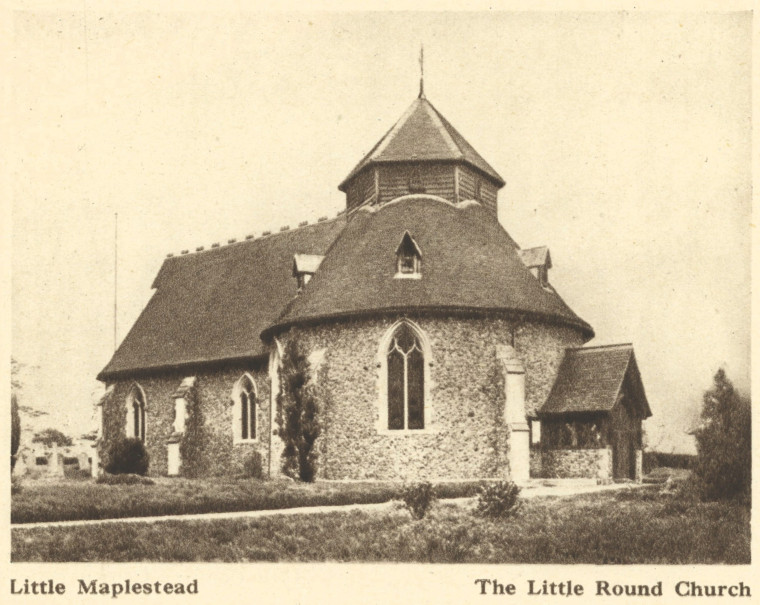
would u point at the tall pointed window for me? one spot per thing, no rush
(244, 400)
(135, 421)
(408, 258)
(406, 380)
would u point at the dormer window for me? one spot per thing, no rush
(538, 261)
(543, 276)
(303, 279)
(304, 268)
(408, 258)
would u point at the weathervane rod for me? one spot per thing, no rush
(422, 72)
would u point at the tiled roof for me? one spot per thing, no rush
(468, 262)
(590, 379)
(212, 305)
(423, 134)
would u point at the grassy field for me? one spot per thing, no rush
(77, 500)
(636, 526)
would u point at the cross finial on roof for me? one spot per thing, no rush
(422, 72)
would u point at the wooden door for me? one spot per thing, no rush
(623, 456)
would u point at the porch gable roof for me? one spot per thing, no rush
(590, 380)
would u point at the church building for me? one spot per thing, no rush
(441, 347)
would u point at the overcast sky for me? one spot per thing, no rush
(625, 141)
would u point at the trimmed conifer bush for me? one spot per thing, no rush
(128, 456)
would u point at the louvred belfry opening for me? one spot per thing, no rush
(422, 153)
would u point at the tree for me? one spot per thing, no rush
(15, 429)
(15, 378)
(724, 454)
(298, 413)
(15, 417)
(48, 437)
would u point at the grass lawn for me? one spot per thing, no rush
(70, 500)
(637, 526)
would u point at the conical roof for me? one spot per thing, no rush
(468, 264)
(423, 134)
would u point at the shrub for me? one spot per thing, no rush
(654, 460)
(128, 456)
(418, 498)
(498, 499)
(71, 472)
(724, 454)
(124, 479)
(253, 466)
(16, 485)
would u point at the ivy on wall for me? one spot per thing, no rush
(114, 421)
(194, 441)
(497, 437)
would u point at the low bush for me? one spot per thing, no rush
(76, 473)
(498, 499)
(418, 498)
(16, 485)
(124, 479)
(253, 467)
(652, 460)
(128, 456)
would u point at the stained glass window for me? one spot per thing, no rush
(406, 381)
(247, 402)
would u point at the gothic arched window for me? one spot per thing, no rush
(406, 380)
(135, 425)
(244, 400)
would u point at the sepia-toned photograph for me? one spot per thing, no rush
(383, 287)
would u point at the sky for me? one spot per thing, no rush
(624, 138)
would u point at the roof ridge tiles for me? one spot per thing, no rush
(610, 346)
(251, 237)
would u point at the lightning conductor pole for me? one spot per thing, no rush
(115, 274)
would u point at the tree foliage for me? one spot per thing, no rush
(51, 436)
(724, 454)
(15, 429)
(15, 375)
(298, 413)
